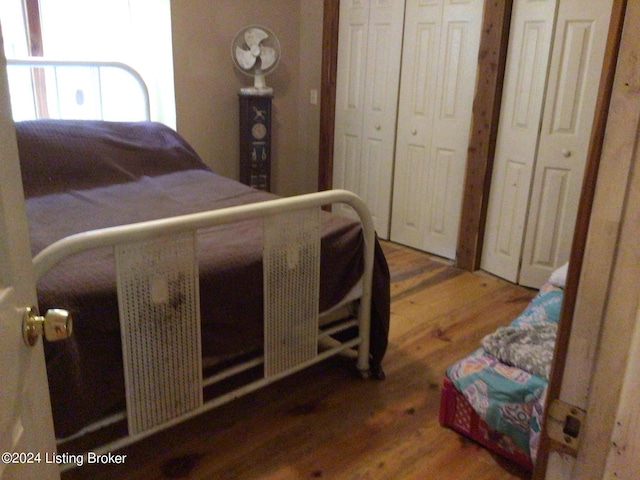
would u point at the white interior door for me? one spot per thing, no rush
(543, 138)
(531, 32)
(368, 74)
(26, 426)
(440, 55)
(574, 79)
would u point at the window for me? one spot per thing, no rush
(135, 32)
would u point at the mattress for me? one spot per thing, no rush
(85, 175)
(457, 414)
(509, 396)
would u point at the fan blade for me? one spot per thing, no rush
(268, 57)
(254, 36)
(245, 58)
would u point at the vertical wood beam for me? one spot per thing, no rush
(492, 59)
(328, 92)
(34, 27)
(36, 49)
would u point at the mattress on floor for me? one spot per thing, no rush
(502, 399)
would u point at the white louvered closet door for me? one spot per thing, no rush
(440, 53)
(369, 46)
(535, 194)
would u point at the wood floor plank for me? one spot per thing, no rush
(326, 423)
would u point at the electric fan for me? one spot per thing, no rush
(256, 51)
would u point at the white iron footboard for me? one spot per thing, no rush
(161, 338)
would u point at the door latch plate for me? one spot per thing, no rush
(564, 425)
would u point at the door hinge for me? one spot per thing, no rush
(564, 425)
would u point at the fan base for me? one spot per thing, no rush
(263, 91)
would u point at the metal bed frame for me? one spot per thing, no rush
(54, 65)
(170, 231)
(291, 232)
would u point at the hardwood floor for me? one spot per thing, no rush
(326, 423)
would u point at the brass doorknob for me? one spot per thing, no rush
(55, 325)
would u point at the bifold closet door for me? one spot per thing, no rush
(369, 46)
(536, 190)
(574, 79)
(531, 33)
(439, 66)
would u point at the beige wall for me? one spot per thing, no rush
(206, 83)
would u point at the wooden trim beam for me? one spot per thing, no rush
(36, 49)
(34, 28)
(492, 59)
(331, 18)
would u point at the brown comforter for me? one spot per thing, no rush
(84, 175)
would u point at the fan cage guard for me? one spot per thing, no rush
(257, 73)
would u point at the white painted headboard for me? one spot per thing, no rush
(70, 89)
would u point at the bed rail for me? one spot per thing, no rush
(151, 230)
(76, 89)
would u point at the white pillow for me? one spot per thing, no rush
(559, 276)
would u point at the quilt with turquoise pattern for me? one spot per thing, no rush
(507, 395)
